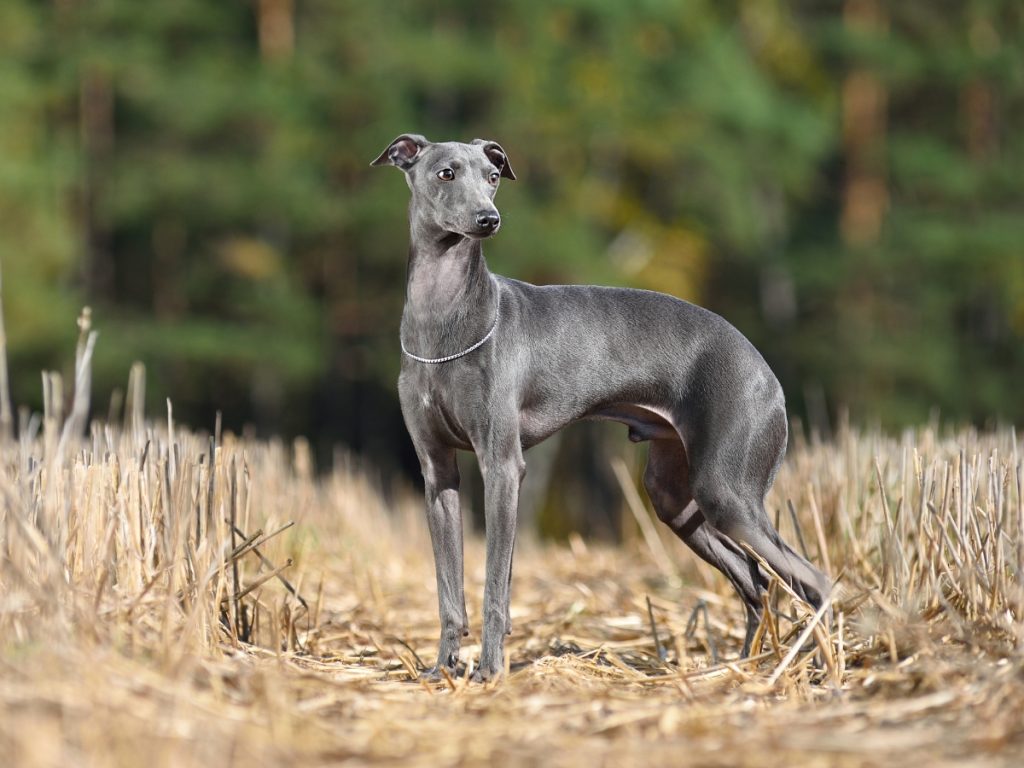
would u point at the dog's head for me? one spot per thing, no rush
(453, 184)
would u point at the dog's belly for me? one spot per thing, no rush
(644, 422)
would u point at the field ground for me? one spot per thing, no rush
(121, 611)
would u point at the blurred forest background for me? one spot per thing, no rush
(841, 180)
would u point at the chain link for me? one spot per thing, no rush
(457, 355)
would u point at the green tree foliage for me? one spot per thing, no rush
(197, 171)
(930, 314)
(37, 225)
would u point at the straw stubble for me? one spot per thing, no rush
(130, 633)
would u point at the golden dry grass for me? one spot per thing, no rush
(120, 619)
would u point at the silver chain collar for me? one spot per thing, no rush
(457, 355)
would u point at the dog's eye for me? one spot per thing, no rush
(446, 174)
(493, 178)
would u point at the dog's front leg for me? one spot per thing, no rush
(444, 518)
(502, 476)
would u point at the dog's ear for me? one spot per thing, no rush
(403, 151)
(497, 156)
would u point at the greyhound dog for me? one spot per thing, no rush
(495, 366)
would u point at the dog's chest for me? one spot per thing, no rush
(440, 403)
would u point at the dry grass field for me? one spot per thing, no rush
(166, 603)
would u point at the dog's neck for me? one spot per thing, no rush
(450, 295)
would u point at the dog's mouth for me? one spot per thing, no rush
(482, 233)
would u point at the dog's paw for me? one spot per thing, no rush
(482, 675)
(435, 675)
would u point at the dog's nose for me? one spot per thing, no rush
(487, 219)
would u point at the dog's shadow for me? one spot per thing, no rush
(557, 649)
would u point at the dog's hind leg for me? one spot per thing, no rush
(667, 482)
(730, 477)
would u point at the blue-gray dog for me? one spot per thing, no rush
(495, 366)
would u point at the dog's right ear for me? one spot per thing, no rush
(403, 151)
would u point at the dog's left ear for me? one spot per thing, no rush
(497, 156)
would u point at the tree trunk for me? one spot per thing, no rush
(96, 136)
(864, 100)
(276, 29)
